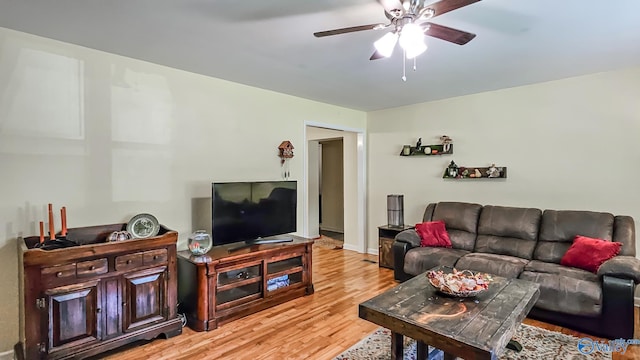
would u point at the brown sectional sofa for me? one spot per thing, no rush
(528, 243)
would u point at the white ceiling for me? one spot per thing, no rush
(269, 43)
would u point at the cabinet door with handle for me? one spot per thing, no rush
(73, 316)
(144, 297)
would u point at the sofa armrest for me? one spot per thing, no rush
(625, 267)
(617, 318)
(409, 236)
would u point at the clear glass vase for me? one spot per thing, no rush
(200, 242)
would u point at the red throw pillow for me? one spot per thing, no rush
(588, 253)
(433, 233)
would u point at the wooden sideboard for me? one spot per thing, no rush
(227, 283)
(82, 300)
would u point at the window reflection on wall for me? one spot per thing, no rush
(141, 125)
(42, 93)
(141, 107)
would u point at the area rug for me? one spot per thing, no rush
(328, 243)
(536, 343)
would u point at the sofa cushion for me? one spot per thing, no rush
(556, 269)
(501, 265)
(421, 259)
(433, 233)
(461, 220)
(564, 289)
(588, 253)
(508, 231)
(559, 227)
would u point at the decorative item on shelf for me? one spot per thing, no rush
(446, 142)
(493, 171)
(200, 242)
(119, 236)
(143, 226)
(452, 169)
(54, 241)
(465, 172)
(395, 210)
(446, 147)
(285, 152)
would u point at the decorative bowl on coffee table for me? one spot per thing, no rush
(464, 283)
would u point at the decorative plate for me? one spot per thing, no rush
(459, 283)
(143, 226)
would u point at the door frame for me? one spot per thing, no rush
(360, 183)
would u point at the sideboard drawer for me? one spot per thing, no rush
(58, 274)
(154, 257)
(127, 262)
(92, 268)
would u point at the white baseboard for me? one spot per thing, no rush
(636, 301)
(7, 355)
(372, 251)
(331, 228)
(350, 247)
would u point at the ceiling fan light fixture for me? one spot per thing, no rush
(412, 40)
(411, 35)
(415, 49)
(386, 44)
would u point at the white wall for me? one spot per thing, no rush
(109, 137)
(568, 144)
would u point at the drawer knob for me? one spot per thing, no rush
(155, 257)
(128, 261)
(59, 274)
(92, 267)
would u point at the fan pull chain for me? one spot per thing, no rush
(404, 65)
(414, 64)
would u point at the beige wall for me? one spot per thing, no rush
(109, 137)
(568, 144)
(332, 186)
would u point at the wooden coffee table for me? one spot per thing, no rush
(470, 328)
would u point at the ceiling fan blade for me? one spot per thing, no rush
(348, 30)
(376, 55)
(444, 6)
(449, 34)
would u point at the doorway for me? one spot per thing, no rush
(353, 185)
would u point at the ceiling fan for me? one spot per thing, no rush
(406, 21)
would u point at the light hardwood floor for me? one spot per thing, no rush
(319, 326)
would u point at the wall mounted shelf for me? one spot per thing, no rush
(431, 150)
(469, 172)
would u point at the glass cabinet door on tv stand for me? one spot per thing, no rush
(238, 284)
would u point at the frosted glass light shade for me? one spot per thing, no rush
(386, 44)
(416, 49)
(412, 40)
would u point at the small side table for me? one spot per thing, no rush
(386, 235)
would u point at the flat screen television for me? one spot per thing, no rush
(252, 211)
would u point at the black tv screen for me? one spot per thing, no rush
(247, 211)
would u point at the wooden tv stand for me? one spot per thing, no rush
(230, 282)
